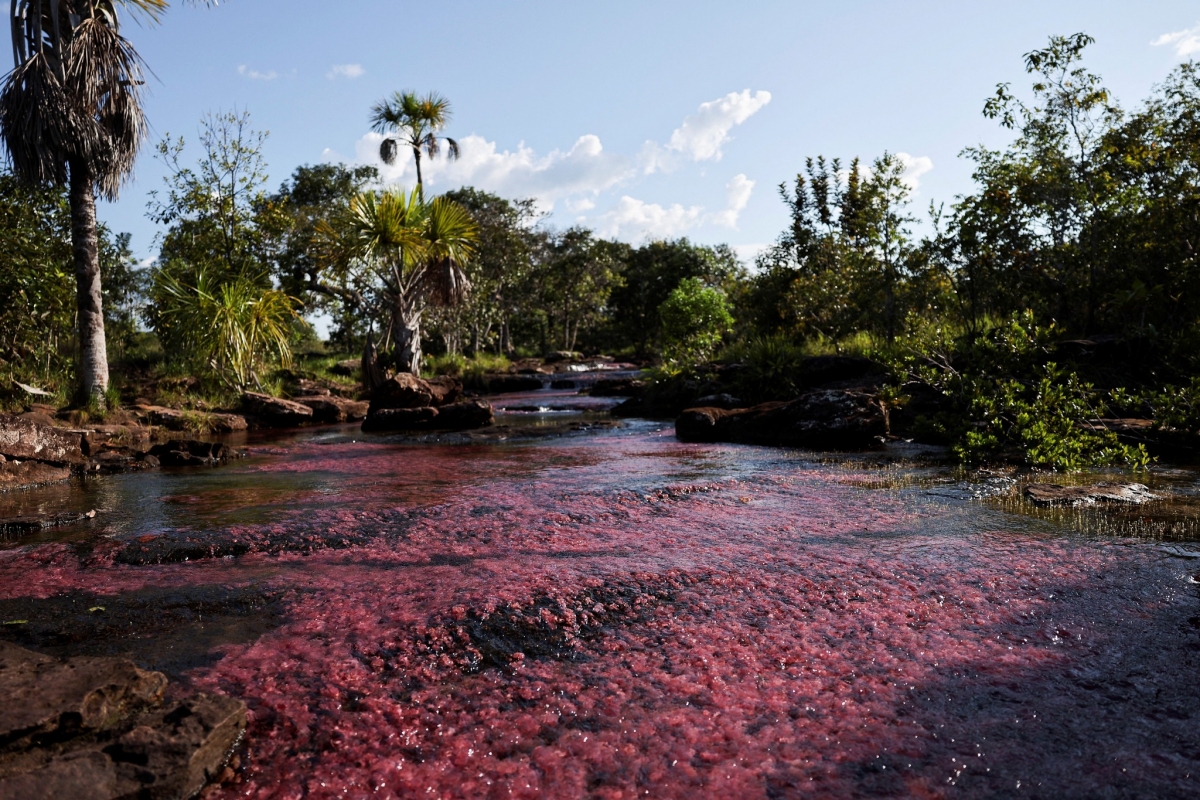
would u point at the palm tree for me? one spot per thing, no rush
(413, 122)
(71, 115)
(418, 251)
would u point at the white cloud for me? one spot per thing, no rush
(702, 135)
(585, 169)
(256, 75)
(579, 205)
(632, 220)
(1185, 42)
(345, 71)
(738, 193)
(914, 168)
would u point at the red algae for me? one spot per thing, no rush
(623, 616)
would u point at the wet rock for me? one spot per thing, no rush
(275, 412)
(828, 419)
(563, 383)
(329, 409)
(1052, 494)
(463, 416)
(24, 474)
(617, 387)
(25, 439)
(23, 526)
(86, 728)
(175, 419)
(403, 390)
(189, 453)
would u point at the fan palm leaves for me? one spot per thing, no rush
(412, 121)
(71, 114)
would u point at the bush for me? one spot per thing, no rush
(694, 318)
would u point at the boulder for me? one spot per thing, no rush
(562, 355)
(89, 728)
(617, 387)
(403, 390)
(828, 419)
(1052, 494)
(722, 400)
(501, 384)
(445, 390)
(330, 409)
(350, 367)
(23, 439)
(463, 416)
(275, 412)
(399, 419)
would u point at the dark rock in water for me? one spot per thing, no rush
(275, 412)
(723, 400)
(403, 390)
(445, 390)
(500, 384)
(24, 439)
(23, 526)
(454, 417)
(85, 728)
(399, 419)
(329, 409)
(823, 420)
(563, 383)
(24, 474)
(617, 387)
(189, 453)
(1052, 494)
(464, 416)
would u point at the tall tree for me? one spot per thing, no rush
(71, 114)
(407, 120)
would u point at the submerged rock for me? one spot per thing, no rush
(23, 474)
(1052, 494)
(189, 453)
(828, 419)
(89, 727)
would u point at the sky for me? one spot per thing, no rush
(641, 119)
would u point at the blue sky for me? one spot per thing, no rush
(640, 119)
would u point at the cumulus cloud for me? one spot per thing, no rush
(702, 135)
(585, 169)
(737, 193)
(632, 220)
(914, 168)
(245, 71)
(1185, 42)
(345, 71)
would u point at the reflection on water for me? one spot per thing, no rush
(615, 613)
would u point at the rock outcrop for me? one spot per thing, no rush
(95, 729)
(828, 419)
(23, 439)
(275, 412)
(330, 409)
(461, 416)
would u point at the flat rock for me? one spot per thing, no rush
(501, 384)
(23, 526)
(25, 439)
(24, 474)
(461, 416)
(275, 412)
(827, 419)
(89, 728)
(329, 409)
(1052, 494)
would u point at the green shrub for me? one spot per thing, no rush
(695, 318)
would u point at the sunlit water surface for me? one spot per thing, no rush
(616, 614)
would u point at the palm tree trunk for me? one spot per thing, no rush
(417, 158)
(93, 355)
(408, 345)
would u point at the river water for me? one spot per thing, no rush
(609, 613)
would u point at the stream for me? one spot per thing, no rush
(607, 612)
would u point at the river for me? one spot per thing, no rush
(609, 613)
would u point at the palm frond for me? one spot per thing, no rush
(452, 149)
(37, 121)
(451, 234)
(387, 150)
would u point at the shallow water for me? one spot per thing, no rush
(617, 614)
